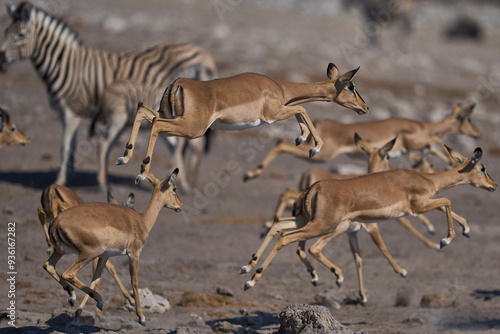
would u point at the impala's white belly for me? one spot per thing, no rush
(236, 126)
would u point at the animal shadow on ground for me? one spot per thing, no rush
(42, 179)
(254, 321)
(60, 323)
(485, 295)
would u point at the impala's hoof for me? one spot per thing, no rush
(299, 140)
(139, 179)
(244, 270)
(71, 300)
(404, 273)
(443, 243)
(121, 161)
(314, 281)
(466, 233)
(249, 285)
(247, 176)
(142, 320)
(339, 283)
(313, 151)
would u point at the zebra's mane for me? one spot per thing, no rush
(23, 13)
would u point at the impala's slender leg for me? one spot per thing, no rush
(284, 146)
(286, 199)
(98, 266)
(353, 243)
(407, 224)
(180, 127)
(461, 220)
(427, 223)
(134, 262)
(143, 113)
(316, 249)
(42, 216)
(434, 204)
(303, 257)
(279, 226)
(111, 269)
(304, 130)
(372, 228)
(49, 266)
(70, 276)
(314, 133)
(300, 234)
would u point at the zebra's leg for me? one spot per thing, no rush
(116, 120)
(71, 122)
(143, 113)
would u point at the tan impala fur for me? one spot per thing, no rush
(102, 230)
(240, 102)
(412, 135)
(377, 161)
(328, 206)
(9, 134)
(55, 199)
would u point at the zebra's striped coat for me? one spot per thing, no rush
(86, 82)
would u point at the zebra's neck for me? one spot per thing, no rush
(54, 40)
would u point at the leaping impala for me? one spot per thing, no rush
(102, 230)
(377, 162)
(328, 206)
(56, 199)
(412, 135)
(9, 134)
(240, 102)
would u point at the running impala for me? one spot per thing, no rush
(240, 102)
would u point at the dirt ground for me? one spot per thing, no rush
(190, 255)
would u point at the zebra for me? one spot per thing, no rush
(82, 81)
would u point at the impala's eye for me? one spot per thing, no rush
(174, 190)
(483, 169)
(13, 129)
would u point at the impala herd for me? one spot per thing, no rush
(325, 204)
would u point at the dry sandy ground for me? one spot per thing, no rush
(191, 254)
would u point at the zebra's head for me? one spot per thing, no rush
(19, 36)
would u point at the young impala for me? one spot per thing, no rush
(9, 134)
(56, 199)
(412, 135)
(240, 102)
(102, 230)
(327, 207)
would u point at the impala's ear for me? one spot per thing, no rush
(130, 200)
(332, 71)
(4, 118)
(455, 155)
(478, 153)
(174, 174)
(469, 109)
(362, 144)
(384, 151)
(10, 9)
(347, 77)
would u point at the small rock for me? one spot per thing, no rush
(150, 302)
(185, 330)
(8, 211)
(309, 319)
(437, 301)
(226, 327)
(223, 291)
(329, 298)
